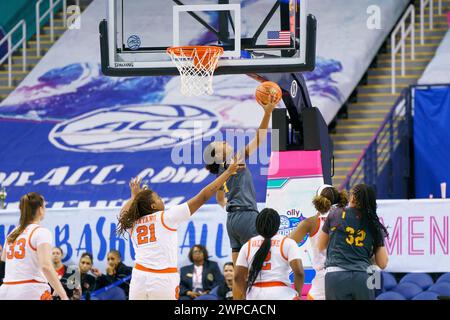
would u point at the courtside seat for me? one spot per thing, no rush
(391, 295)
(212, 295)
(441, 288)
(427, 295)
(408, 290)
(207, 297)
(114, 293)
(444, 278)
(389, 281)
(423, 280)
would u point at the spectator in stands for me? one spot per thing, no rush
(201, 276)
(57, 255)
(2, 267)
(352, 236)
(80, 278)
(225, 289)
(116, 270)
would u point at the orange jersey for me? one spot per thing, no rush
(276, 267)
(21, 257)
(155, 239)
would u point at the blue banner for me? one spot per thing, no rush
(431, 140)
(81, 144)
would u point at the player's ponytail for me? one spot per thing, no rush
(328, 196)
(29, 206)
(342, 199)
(322, 204)
(267, 225)
(365, 200)
(140, 206)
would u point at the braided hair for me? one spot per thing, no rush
(267, 225)
(141, 206)
(365, 200)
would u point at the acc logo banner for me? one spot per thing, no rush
(134, 128)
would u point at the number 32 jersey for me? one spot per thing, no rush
(155, 239)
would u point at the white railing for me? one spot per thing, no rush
(11, 49)
(39, 18)
(401, 45)
(423, 6)
(50, 11)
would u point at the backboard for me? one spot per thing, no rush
(257, 35)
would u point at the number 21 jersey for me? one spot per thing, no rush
(155, 239)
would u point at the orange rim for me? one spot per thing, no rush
(179, 51)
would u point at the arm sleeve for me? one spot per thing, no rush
(292, 250)
(242, 259)
(176, 215)
(41, 236)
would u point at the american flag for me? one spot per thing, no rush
(278, 38)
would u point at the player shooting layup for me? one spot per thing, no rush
(238, 194)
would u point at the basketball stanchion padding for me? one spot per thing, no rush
(196, 65)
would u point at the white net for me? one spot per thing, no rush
(196, 66)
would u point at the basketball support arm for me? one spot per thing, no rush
(300, 125)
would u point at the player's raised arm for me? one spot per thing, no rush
(207, 192)
(261, 134)
(135, 187)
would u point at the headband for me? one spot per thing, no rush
(319, 191)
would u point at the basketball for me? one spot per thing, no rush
(266, 90)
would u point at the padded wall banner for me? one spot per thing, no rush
(93, 230)
(431, 140)
(419, 234)
(419, 239)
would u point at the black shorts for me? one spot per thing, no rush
(241, 226)
(348, 285)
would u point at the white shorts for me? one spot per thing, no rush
(317, 291)
(154, 286)
(25, 291)
(271, 293)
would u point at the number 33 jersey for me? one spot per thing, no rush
(22, 263)
(155, 239)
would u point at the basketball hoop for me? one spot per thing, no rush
(196, 65)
